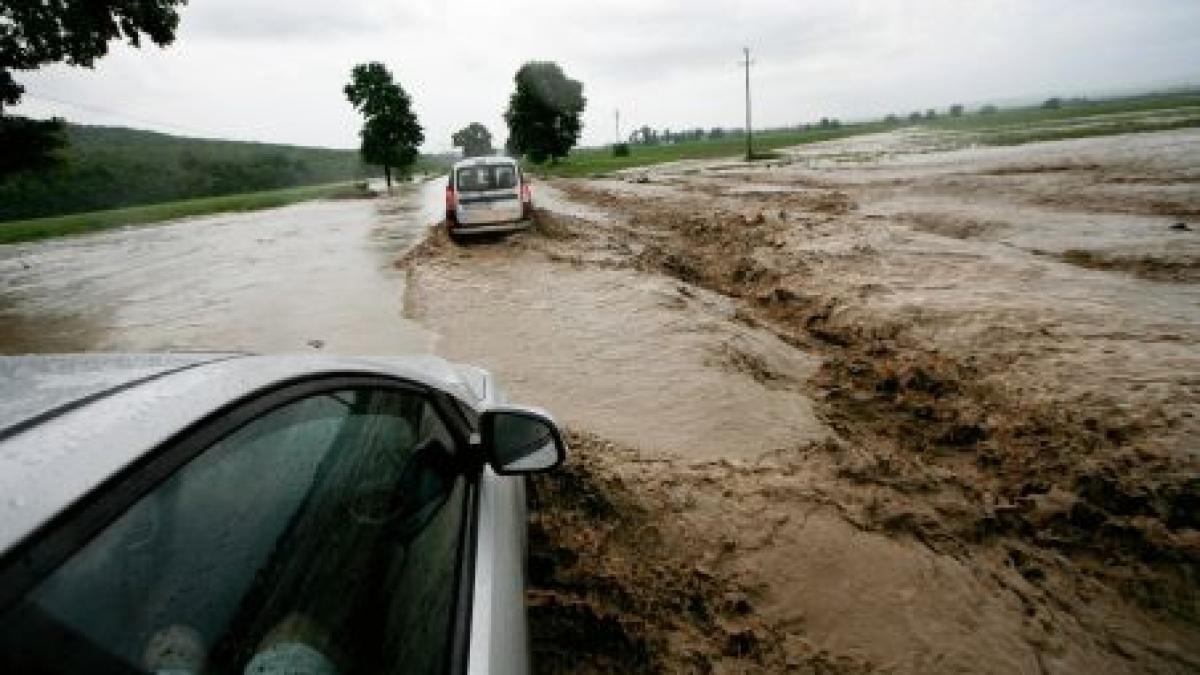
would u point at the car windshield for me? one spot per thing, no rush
(487, 177)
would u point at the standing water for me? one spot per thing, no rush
(315, 275)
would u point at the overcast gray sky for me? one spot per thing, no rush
(272, 70)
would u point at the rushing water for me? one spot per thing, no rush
(315, 275)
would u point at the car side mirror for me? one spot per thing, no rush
(518, 440)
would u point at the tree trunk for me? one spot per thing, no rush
(387, 174)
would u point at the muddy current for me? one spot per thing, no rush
(315, 275)
(874, 405)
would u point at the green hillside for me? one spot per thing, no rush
(111, 167)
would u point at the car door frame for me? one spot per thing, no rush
(40, 554)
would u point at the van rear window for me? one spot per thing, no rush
(487, 177)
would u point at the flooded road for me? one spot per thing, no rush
(314, 275)
(873, 406)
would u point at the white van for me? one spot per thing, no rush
(487, 194)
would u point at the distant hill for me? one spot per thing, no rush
(109, 167)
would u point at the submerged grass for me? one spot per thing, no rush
(78, 223)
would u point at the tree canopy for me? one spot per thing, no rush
(75, 32)
(474, 139)
(390, 134)
(543, 113)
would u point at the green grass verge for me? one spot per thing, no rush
(589, 161)
(78, 223)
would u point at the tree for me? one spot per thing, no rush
(892, 119)
(29, 144)
(914, 116)
(33, 34)
(474, 139)
(1053, 103)
(716, 133)
(390, 134)
(988, 109)
(930, 114)
(956, 110)
(543, 113)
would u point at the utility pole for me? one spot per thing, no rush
(618, 126)
(749, 134)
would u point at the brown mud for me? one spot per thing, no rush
(838, 416)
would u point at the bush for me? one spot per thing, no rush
(620, 150)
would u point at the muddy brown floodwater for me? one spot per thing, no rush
(880, 404)
(315, 275)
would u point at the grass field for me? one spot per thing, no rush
(1075, 120)
(78, 223)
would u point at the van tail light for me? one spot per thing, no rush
(451, 199)
(525, 195)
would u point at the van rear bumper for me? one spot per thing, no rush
(483, 228)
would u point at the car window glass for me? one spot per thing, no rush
(322, 537)
(487, 177)
(505, 177)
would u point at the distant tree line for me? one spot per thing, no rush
(959, 110)
(648, 136)
(107, 167)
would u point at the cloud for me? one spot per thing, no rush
(273, 70)
(289, 20)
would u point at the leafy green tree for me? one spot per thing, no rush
(474, 139)
(988, 109)
(390, 134)
(1053, 103)
(75, 32)
(27, 144)
(543, 113)
(956, 110)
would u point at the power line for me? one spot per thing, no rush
(120, 114)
